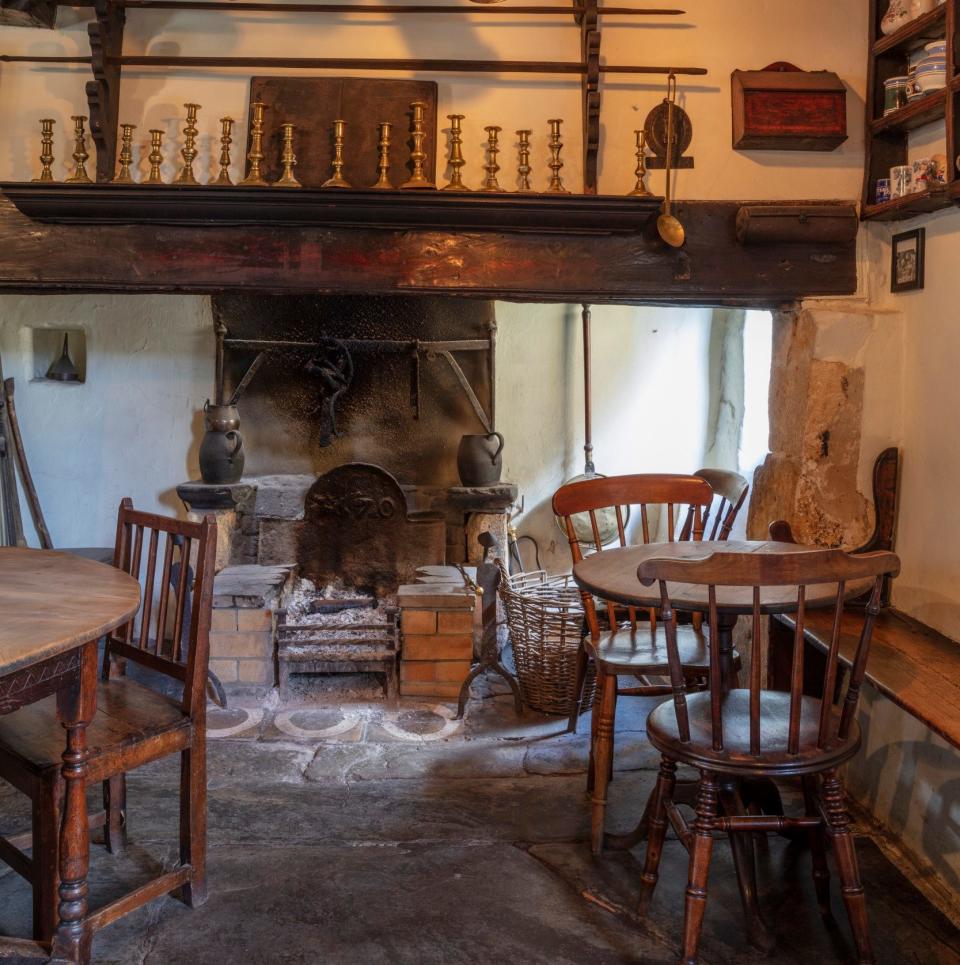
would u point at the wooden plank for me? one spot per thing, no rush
(635, 269)
(313, 103)
(910, 664)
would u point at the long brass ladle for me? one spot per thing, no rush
(669, 227)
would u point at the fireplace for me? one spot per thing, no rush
(351, 512)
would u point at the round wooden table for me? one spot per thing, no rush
(54, 607)
(612, 575)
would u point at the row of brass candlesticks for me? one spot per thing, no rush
(255, 156)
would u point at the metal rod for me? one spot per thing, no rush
(363, 63)
(378, 9)
(380, 63)
(588, 467)
(461, 345)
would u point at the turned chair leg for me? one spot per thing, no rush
(818, 848)
(46, 864)
(602, 755)
(699, 870)
(115, 806)
(193, 818)
(838, 820)
(657, 831)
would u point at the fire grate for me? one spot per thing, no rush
(342, 634)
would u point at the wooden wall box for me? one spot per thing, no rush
(783, 108)
(823, 224)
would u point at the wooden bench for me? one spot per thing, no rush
(910, 663)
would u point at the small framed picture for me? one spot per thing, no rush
(906, 268)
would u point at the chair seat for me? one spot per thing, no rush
(735, 757)
(644, 650)
(127, 714)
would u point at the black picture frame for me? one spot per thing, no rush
(906, 260)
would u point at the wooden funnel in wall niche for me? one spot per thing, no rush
(357, 531)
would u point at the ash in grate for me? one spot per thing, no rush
(337, 631)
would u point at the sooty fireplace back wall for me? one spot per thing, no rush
(401, 411)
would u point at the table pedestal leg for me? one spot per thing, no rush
(744, 860)
(76, 706)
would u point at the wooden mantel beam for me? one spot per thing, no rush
(712, 269)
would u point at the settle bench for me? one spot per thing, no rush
(911, 664)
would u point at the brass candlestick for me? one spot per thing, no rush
(640, 189)
(523, 168)
(418, 156)
(226, 125)
(126, 154)
(337, 180)
(155, 157)
(46, 149)
(490, 182)
(80, 155)
(255, 155)
(556, 146)
(189, 152)
(289, 159)
(456, 154)
(383, 164)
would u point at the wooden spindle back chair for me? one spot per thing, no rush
(618, 642)
(136, 721)
(730, 493)
(758, 733)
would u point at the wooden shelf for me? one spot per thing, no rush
(930, 26)
(887, 142)
(899, 209)
(926, 110)
(389, 210)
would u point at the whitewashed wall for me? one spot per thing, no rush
(133, 428)
(817, 34)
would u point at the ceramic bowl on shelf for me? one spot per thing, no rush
(930, 78)
(937, 48)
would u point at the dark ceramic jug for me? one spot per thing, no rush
(221, 452)
(478, 459)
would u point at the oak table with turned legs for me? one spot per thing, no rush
(54, 607)
(612, 575)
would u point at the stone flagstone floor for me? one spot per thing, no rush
(345, 832)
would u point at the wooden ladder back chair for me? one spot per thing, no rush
(758, 733)
(136, 722)
(618, 642)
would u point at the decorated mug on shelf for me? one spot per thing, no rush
(901, 180)
(883, 190)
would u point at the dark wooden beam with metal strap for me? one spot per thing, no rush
(711, 269)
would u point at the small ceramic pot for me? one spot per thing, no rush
(894, 93)
(478, 459)
(221, 450)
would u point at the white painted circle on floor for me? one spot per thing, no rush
(252, 719)
(450, 725)
(284, 721)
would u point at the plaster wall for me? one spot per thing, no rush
(644, 418)
(818, 34)
(133, 428)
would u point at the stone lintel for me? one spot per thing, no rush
(249, 586)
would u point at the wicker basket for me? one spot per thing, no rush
(545, 618)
